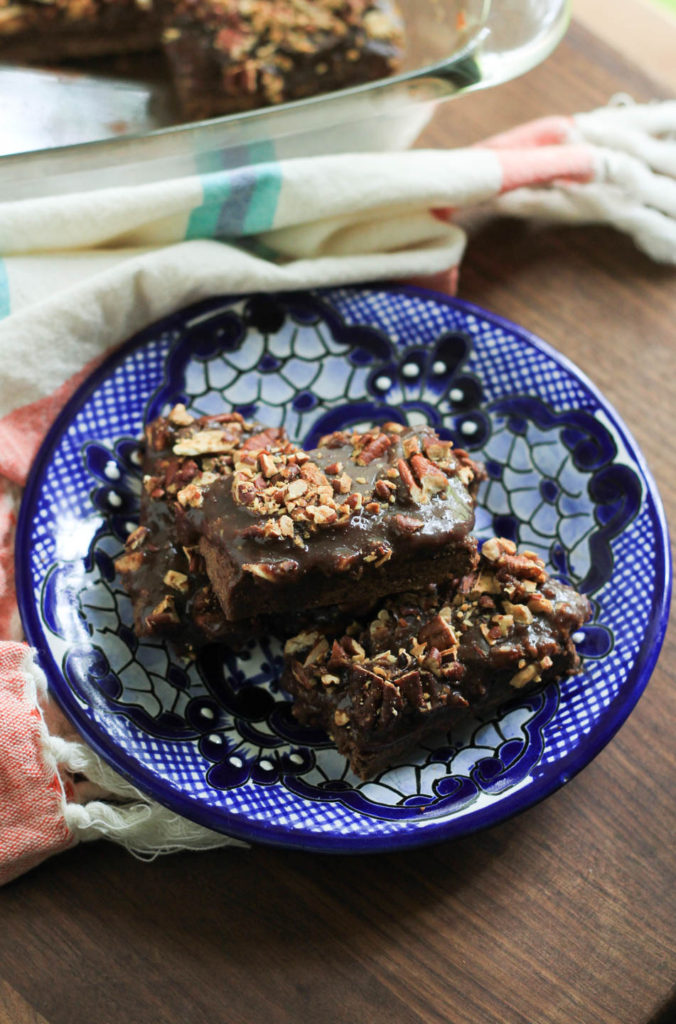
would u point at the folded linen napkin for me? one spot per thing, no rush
(81, 273)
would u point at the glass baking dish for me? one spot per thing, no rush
(453, 47)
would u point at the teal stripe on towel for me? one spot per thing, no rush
(236, 203)
(4, 291)
(204, 219)
(252, 203)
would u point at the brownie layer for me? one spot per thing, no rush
(426, 660)
(238, 525)
(228, 56)
(162, 569)
(383, 510)
(48, 31)
(225, 56)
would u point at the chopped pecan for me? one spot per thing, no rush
(409, 482)
(286, 526)
(190, 495)
(337, 439)
(321, 514)
(432, 661)
(438, 633)
(339, 658)
(353, 647)
(342, 484)
(374, 449)
(272, 572)
(494, 548)
(301, 642)
(432, 480)
(384, 489)
(437, 450)
(163, 614)
(137, 539)
(178, 416)
(504, 623)
(317, 652)
(176, 580)
(525, 675)
(410, 446)
(204, 442)
(267, 464)
(540, 605)
(152, 485)
(267, 438)
(523, 567)
(296, 489)
(130, 562)
(407, 524)
(519, 612)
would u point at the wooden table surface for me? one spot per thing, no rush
(564, 915)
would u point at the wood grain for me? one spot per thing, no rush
(565, 915)
(635, 27)
(15, 1010)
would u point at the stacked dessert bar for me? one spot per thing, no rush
(363, 549)
(224, 56)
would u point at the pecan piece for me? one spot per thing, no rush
(204, 442)
(317, 652)
(408, 481)
(407, 524)
(137, 539)
(384, 489)
(523, 567)
(539, 604)
(519, 612)
(190, 495)
(163, 614)
(374, 449)
(265, 439)
(178, 416)
(176, 580)
(296, 489)
(438, 633)
(267, 464)
(130, 562)
(431, 479)
(301, 642)
(497, 546)
(525, 675)
(411, 446)
(272, 572)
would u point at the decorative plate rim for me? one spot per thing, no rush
(435, 830)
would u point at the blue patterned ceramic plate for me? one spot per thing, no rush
(214, 738)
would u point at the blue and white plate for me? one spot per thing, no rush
(214, 738)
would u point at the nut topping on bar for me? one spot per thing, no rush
(238, 508)
(428, 656)
(298, 495)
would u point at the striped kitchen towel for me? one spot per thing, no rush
(80, 273)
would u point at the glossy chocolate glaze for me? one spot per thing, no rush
(205, 495)
(446, 519)
(426, 660)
